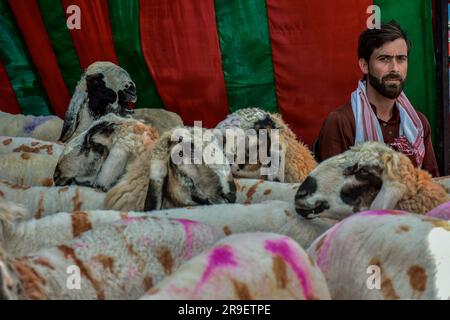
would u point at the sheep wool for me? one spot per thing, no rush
(119, 261)
(386, 254)
(22, 237)
(46, 128)
(249, 266)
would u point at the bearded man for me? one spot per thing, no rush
(379, 110)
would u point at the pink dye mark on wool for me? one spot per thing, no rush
(189, 239)
(441, 212)
(326, 245)
(219, 257)
(78, 245)
(382, 213)
(282, 248)
(145, 241)
(127, 220)
(132, 272)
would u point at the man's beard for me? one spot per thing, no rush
(390, 91)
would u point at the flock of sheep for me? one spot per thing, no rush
(100, 195)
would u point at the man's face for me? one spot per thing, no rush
(387, 68)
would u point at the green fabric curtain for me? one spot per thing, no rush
(26, 85)
(246, 53)
(124, 18)
(52, 13)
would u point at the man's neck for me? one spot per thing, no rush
(382, 104)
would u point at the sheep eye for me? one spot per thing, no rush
(180, 153)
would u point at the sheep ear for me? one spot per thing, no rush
(391, 190)
(72, 116)
(112, 169)
(158, 178)
(388, 196)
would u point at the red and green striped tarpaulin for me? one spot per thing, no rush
(205, 58)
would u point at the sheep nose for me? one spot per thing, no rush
(308, 187)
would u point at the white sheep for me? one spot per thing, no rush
(386, 255)
(99, 156)
(29, 161)
(118, 261)
(161, 119)
(29, 145)
(46, 128)
(250, 191)
(25, 236)
(295, 161)
(29, 169)
(187, 167)
(370, 175)
(43, 201)
(251, 266)
(103, 88)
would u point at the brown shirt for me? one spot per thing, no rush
(338, 134)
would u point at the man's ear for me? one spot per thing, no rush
(363, 65)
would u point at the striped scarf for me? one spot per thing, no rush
(410, 141)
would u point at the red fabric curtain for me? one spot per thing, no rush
(93, 42)
(30, 22)
(181, 48)
(8, 100)
(314, 56)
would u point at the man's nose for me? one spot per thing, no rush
(394, 66)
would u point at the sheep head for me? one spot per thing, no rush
(368, 176)
(247, 134)
(104, 88)
(188, 168)
(98, 157)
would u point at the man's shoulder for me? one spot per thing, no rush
(343, 113)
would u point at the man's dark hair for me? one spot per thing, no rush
(372, 39)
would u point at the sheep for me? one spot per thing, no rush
(250, 191)
(28, 161)
(23, 236)
(296, 160)
(250, 266)
(440, 212)
(176, 175)
(161, 119)
(386, 254)
(46, 128)
(100, 155)
(119, 261)
(370, 175)
(43, 201)
(29, 169)
(104, 88)
(29, 145)
(118, 156)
